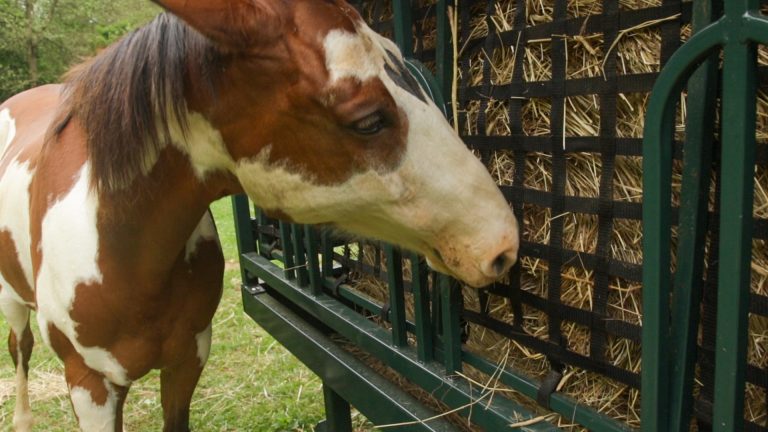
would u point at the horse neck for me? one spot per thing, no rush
(154, 217)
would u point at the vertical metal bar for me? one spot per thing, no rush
(313, 262)
(686, 296)
(326, 250)
(443, 53)
(424, 342)
(299, 253)
(261, 238)
(338, 416)
(449, 293)
(403, 26)
(246, 242)
(287, 244)
(243, 224)
(657, 179)
(396, 295)
(735, 255)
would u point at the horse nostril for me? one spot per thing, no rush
(499, 264)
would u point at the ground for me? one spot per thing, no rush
(251, 383)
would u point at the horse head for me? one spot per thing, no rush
(323, 124)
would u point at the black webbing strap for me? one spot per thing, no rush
(549, 383)
(338, 282)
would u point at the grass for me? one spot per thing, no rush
(251, 383)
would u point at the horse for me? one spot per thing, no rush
(105, 183)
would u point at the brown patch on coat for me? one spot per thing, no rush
(76, 372)
(11, 269)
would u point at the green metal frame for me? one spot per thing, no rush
(667, 391)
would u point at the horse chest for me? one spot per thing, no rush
(120, 319)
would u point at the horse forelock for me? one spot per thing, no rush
(130, 97)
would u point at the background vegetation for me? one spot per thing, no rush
(41, 39)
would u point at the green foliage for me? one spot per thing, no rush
(42, 39)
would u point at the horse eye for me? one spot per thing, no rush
(370, 125)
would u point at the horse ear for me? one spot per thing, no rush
(233, 23)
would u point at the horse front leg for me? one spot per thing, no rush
(97, 401)
(178, 382)
(20, 343)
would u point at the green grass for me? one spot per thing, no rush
(251, 383)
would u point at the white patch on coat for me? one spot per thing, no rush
(69, 246)
(14, 212)
(204, 231)
(203, 340)
(275, 185)
(7, 129)
(91, 416)
(203, 144)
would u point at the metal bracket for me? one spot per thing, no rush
(254, 289)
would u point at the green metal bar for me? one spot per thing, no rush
(735, 255)
(366, 303)
(449, 303)
(424, 330)
(326, 249)
(496, 414)
(396, 295)
(443, 51)
(686, 296)
(288, 256)
(313, 262)
(381, 401)
(261, 239)
(246, 242)
(428, 83)
(299, 255)
(657, 172)
(338, 416)
(403, 26)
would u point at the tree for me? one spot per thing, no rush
(41, 39)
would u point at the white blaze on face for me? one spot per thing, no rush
(70, 224)
(349, 55)
(7, 129)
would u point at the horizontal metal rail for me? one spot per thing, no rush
(495, 413)
(381, 401)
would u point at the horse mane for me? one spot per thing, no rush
(131, 96)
